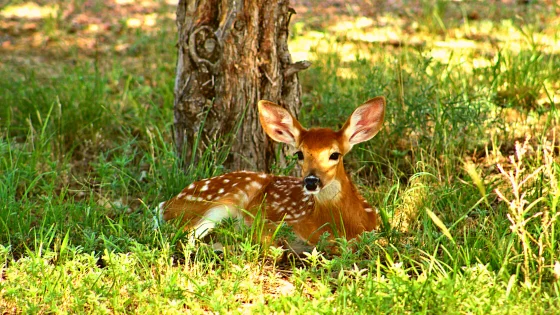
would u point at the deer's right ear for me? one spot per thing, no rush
(365, 121)
(278, 123)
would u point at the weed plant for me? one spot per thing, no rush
(465, 174)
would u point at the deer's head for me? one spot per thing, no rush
(320, 150)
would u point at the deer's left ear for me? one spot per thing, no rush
(365, 121)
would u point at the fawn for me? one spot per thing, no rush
(323, 200)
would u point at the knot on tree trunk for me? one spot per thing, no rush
(205, 48)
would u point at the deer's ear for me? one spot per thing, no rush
(365, 121)
(278, 123)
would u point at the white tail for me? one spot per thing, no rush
(323, 200)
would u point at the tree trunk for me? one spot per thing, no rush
(232, 53)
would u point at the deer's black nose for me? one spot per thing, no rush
(311, 182)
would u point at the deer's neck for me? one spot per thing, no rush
(342, 197)
(338, 193)
(330, 194)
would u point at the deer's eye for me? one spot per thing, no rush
(299, 155)
(334, 156)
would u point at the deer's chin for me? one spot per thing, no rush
(311, 192)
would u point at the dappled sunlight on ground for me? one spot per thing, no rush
(479, 36)
(91, 27)
(353, 25)
(29, 10)
(472, 37)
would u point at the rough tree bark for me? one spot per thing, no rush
(232, 53)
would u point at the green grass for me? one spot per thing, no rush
(86, 152)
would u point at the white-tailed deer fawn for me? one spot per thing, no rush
(323, 200)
